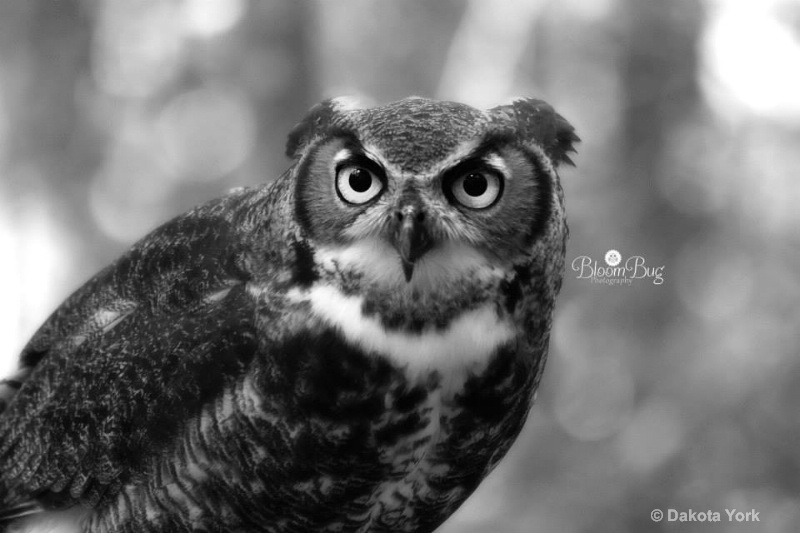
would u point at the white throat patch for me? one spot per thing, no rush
(464, 345)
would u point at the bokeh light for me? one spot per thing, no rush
(749, 53)
(138, 47)
(32, 278)
(206, 133)
(209, 18)
(653, 435)
(128, 192)
(595, 397)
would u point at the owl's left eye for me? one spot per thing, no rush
(357, 185)
(477, 189)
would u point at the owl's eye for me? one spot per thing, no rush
(357, 185)
(476, 189)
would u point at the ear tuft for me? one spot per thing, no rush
(318, 120)
(536, 121)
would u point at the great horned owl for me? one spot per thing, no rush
(352, 347)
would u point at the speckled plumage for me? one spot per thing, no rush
(283, 360)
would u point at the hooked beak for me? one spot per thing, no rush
(411, 237)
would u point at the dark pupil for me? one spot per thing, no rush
(475, 184)
(360, 180)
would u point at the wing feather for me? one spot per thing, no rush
(110, 375)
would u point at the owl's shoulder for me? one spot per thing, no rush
(189, 259)
(169, 306)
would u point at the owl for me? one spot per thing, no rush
(349, 348)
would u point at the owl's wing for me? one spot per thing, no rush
(116, 369)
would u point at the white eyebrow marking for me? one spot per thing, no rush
(342, 155)
(499, 164)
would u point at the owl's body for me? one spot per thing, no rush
(350, 348)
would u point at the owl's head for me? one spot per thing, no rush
(418, 192)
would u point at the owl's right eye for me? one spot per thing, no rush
(357, 185)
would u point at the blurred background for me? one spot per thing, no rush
(116, 116)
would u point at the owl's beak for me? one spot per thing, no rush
(411, 238)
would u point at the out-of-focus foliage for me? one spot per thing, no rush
(115, 116)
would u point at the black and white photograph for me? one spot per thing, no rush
(399, 266)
